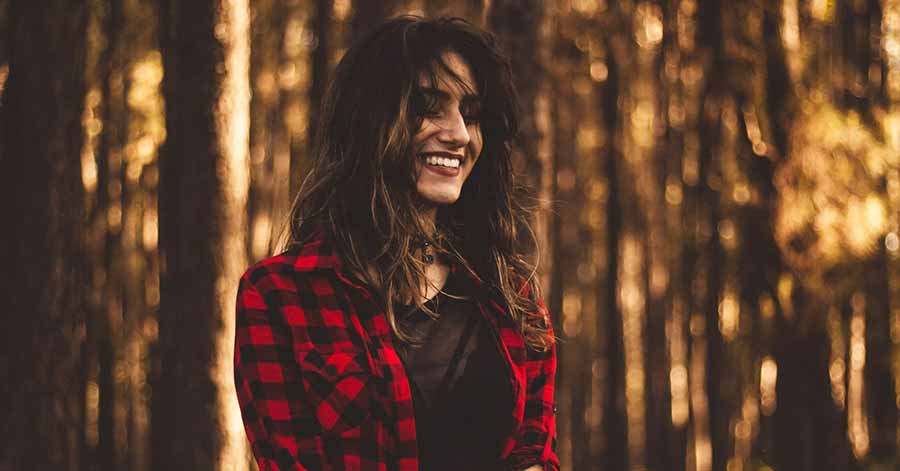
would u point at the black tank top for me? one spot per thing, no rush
(461, 389)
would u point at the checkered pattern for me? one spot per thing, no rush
(321, 386)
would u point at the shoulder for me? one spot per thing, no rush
(280, 283)
(306, 263)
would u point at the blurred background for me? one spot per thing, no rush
(720, 183)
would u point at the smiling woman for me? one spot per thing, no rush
(402, 327)
(448, 142)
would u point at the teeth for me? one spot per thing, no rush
(443, 162)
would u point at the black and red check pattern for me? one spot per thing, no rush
(321, 386)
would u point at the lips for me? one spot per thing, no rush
(440, 169)
(445, 155)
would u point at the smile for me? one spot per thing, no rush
(441, 160)
(442, 164)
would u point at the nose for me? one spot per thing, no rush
(454, 131)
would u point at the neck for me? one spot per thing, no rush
(427, 216)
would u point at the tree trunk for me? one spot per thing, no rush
(320, 64)
(367, 15)
(43, 202)
(614, 395)
(203, 191)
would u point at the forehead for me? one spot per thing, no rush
(459, 82)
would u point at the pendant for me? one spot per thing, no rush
(427, 257)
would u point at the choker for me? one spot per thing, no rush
(427, 256)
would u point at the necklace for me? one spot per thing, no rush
(426, 256)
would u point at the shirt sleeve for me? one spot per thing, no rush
(536, 437)
(265, 378)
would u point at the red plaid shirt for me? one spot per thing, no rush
(321, 386)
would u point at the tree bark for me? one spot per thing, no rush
(203, 191)
(43, 203)
(615, 453)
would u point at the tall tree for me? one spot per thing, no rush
(320, 63)
(42, 198)
(203, 191)
(367, 15)
(614, 456)
(518, 26)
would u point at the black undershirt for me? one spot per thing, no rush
(459, 380)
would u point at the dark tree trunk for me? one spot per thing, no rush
(186, 432)
(803, 393)
(879, 382)
(517, 25)
(367, 15)
(615, 453)
(320, 64)
(110, 188)
(710, 34)
(42, 201)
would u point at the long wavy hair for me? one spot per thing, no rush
(361, 188)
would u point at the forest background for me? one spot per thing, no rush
(720, 187)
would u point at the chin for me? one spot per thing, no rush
(436, 197)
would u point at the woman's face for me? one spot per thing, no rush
(449, 141)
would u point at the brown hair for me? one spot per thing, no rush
(361, 187)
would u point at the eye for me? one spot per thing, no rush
(471, 112)
(425, 106)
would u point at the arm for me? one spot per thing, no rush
(263, 381)
(536, 437)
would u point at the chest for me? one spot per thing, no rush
(340, 316)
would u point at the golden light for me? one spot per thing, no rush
(822, 10)
(648, 31)
(727, 234)
(571, 313)
(857, 420)
(678, 372)
(92, 413)
(837, 368)
(729, 314)
(341, 10)
(599, 71)
(632, 303)
(673, 192)
(233, 127)
(150, 235)
(785, 291)
(91, 127)
(768, 376)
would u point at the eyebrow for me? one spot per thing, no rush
(442, 95)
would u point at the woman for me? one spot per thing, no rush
(402, 329)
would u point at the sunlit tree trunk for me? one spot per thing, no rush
(203, 191)
(861, 26)
(44, 283)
